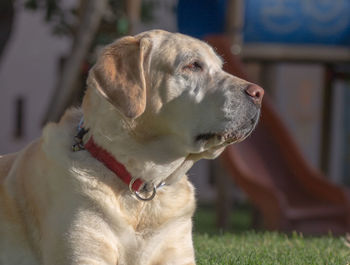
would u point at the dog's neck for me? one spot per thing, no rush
(152, 160)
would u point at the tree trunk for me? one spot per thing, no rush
(66, 88)
(7, 13)
(133, 11)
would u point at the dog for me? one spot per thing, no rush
(114, 189)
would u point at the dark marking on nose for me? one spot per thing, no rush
(255, 92)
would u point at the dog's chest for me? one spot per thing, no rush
(169, 204)
(150, 226)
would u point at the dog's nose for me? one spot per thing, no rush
(255, 92)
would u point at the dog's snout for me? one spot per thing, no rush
(255, 92)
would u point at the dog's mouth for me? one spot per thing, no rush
(221, 139)
(228, 137)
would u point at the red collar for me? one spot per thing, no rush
(110, 162)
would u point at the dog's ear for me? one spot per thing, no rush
(120, 74)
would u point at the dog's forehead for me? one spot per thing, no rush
(177, 47)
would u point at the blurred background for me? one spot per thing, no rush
(291, 174)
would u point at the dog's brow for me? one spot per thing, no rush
(185, 57)
(217, 57)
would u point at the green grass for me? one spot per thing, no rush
(241, 219)
(262, 248)
(239, 245)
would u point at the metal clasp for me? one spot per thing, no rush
(137, 193)
(78, 138)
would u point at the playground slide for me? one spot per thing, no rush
(269, 168)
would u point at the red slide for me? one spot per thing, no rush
(269, 168)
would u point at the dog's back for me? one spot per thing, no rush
(6, 162)
(14, 247)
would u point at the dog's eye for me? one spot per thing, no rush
(194, 67)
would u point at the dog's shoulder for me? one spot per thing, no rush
(6, 162)
(9, 162)
(58, 137)
(25, 165)
(62, 133)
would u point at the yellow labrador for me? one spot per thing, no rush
(155, 103)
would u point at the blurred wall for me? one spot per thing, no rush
(28, 73)
(29, 69)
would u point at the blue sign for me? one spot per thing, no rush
(201, 17)
(324, 22)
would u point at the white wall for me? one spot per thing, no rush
(28, 69)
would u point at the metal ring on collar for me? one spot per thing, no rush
(137, 194)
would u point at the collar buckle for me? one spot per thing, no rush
(78, 144)
(137, 193)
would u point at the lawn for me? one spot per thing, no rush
(240, 245)
(261, 248)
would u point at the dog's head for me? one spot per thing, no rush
(172, 85)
